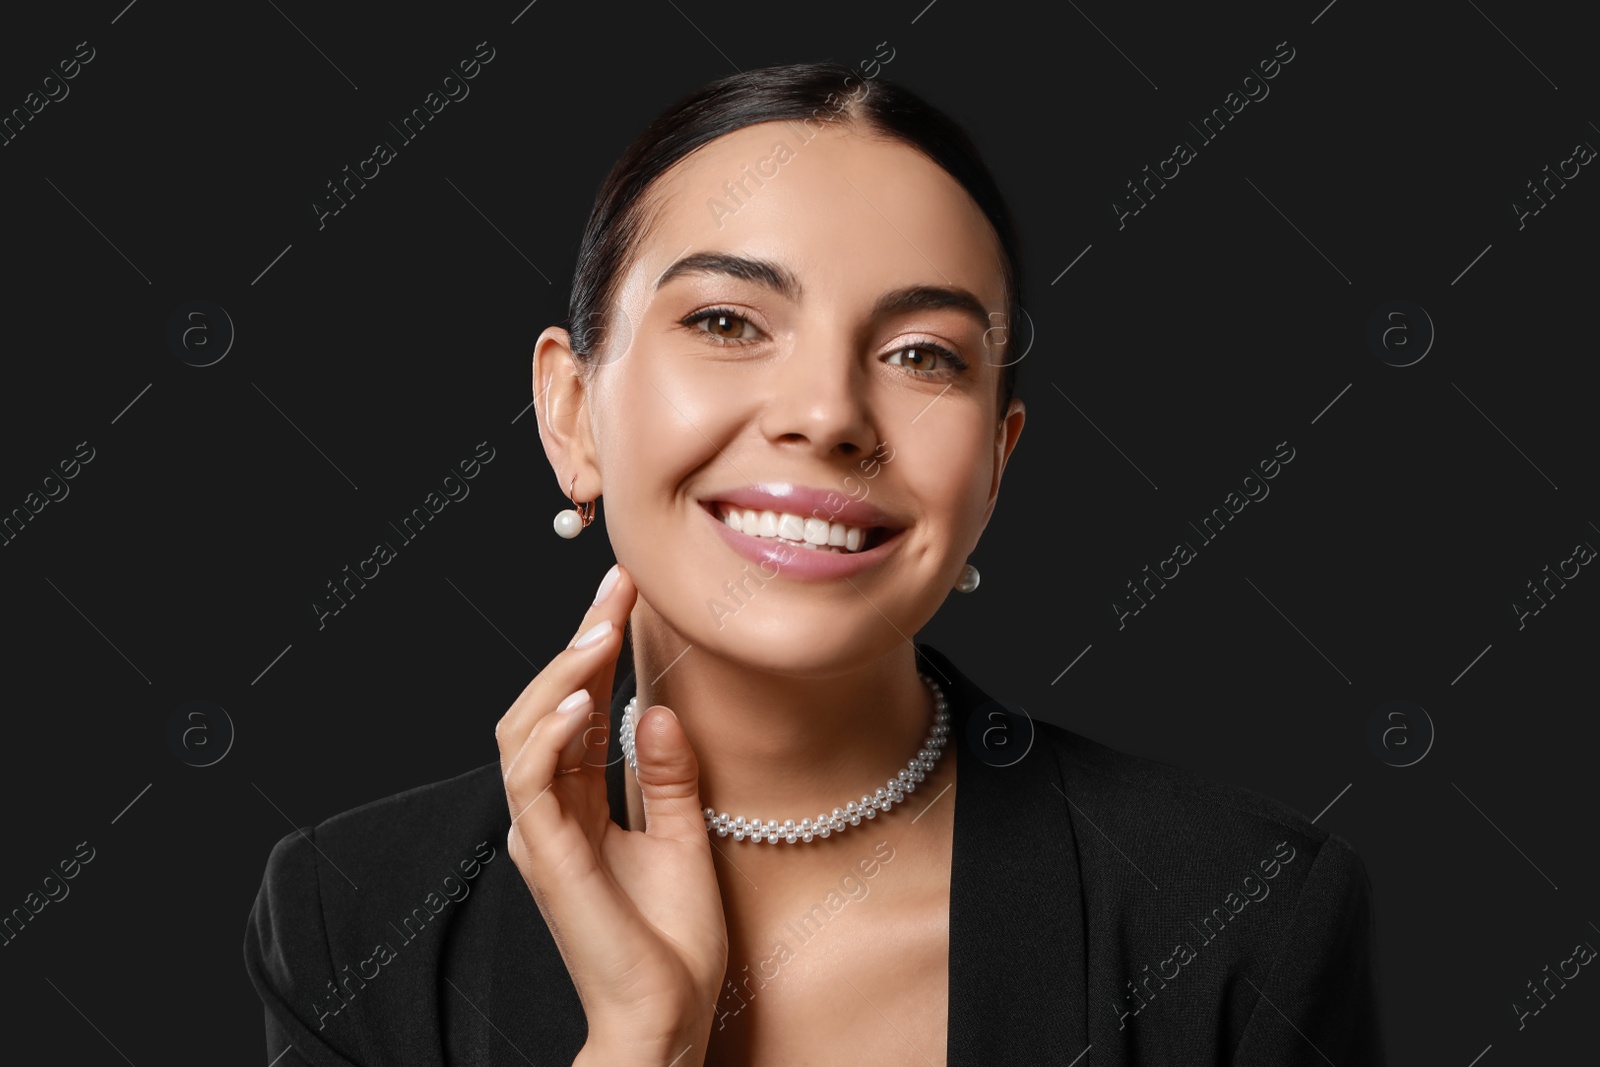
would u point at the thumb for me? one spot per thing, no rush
(669, 777)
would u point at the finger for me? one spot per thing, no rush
(590, 667)
(530, 773)
(669, 777)
(575, 751)
(559, 855)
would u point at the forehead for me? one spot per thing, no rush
(849, 212)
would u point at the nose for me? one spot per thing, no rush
(820, 398)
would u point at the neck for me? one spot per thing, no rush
(774, 746)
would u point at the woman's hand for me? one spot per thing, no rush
(637, 916)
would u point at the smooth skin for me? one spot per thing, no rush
(646, 963)
(809, 694)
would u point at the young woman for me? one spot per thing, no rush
(790, 833)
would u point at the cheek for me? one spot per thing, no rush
(947, 468)
(663, 421)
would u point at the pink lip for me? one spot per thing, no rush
(797, 562)
(801, 500)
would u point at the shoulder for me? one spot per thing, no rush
(420, 828)
(414, 828)
(1204, 893)
(1191, 885)
(376, 875)
(416, 824)
(1134, 789)
(1157, 842)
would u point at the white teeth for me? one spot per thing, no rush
(813, 532)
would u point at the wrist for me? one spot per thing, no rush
(596, 1054)
(685, 1048)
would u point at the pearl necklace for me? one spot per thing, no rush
(893, 792)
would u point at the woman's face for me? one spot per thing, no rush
(812, 328)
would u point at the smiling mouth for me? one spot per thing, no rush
(811, 532)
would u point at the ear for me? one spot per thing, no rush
(561, 403)
(1005, 440)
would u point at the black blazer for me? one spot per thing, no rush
(1104, 910)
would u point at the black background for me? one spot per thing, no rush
(1174, 354)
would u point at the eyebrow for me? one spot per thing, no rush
(782, 281)
(763, 272)
(931, 298)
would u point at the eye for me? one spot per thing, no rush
(722, 325)
(927, 360)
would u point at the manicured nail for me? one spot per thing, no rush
(596, 633)
(573, 703)
(607, 584)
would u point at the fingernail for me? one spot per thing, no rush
(606, 584)
(596, 633)
(573, 703)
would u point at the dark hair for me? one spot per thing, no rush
(811, 92)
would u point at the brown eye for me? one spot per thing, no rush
(722, 324)
(922, 359)
(925, 359)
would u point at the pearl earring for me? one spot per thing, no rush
(968, 580)
(569, 522)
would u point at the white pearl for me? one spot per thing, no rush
(968, 580)
(568, 523)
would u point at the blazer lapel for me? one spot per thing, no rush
(1018, 965)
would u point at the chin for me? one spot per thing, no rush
(804, 644)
